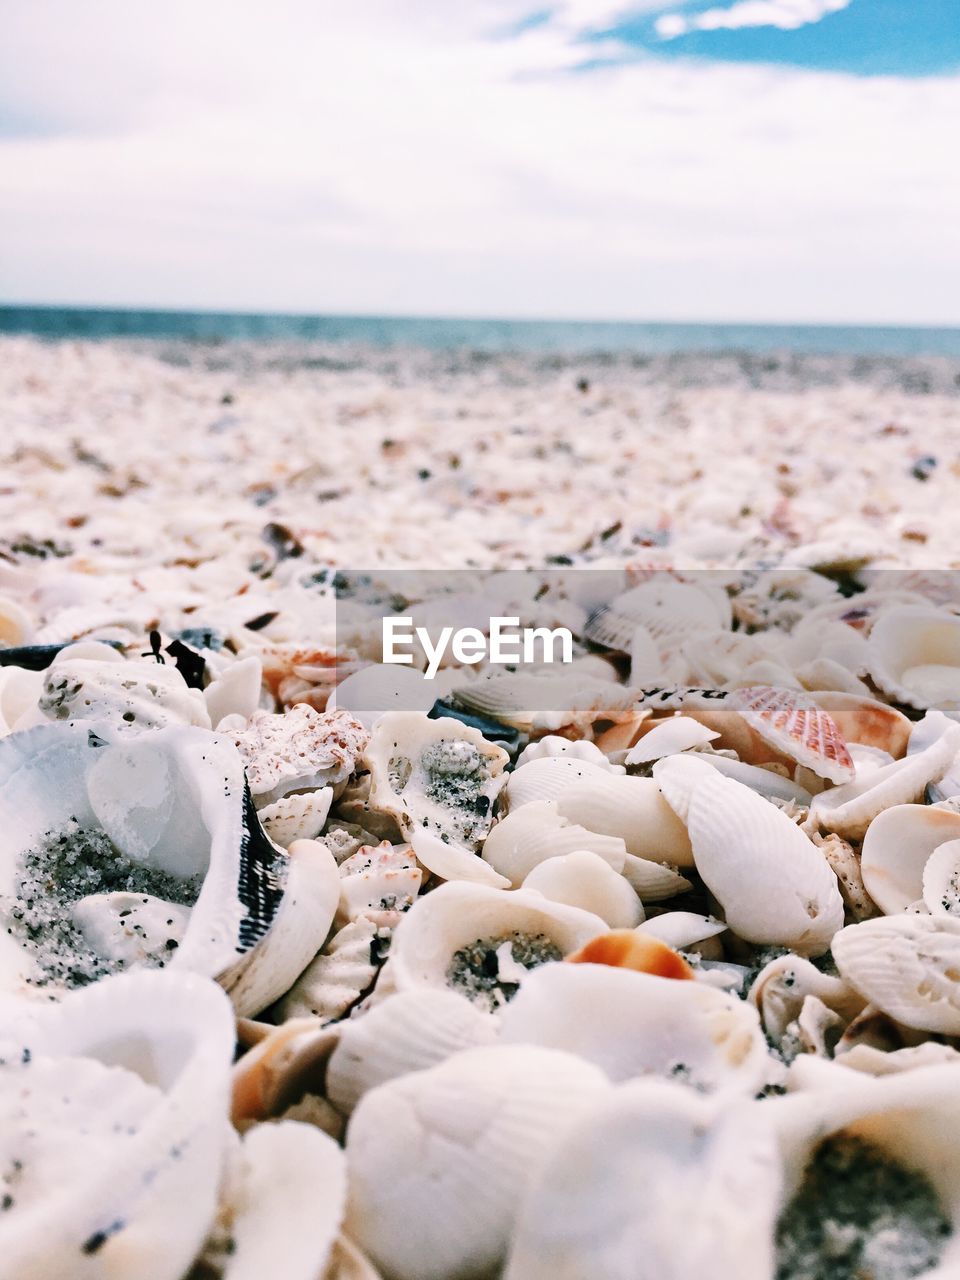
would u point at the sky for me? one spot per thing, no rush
(741, 160)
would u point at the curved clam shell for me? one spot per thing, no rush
(634, 1024)
(114, 1103)
(665, 607)
(16, 625)
(634, 950)
(772, 882)
(300, 750)
(236, 691)
(539, 704)
(667, 738)
(377, 880)
(581, 879)
(482, 1124)
(537, 831)
(456, 915)
(630, 809)
(288, 1062)
(867, 721)
(607, 1196)
(546, 779)
(849, 809)
(908, 966)
(410, 1031)
(653, 881)
(896, 849)
(132, 695)
(795, 726)
(682, 929)
(450, 861)
(913, 655)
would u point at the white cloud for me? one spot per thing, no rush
(344, 158)
(788, 15)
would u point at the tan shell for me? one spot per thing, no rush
(337, 978)
(867, 721)
(913, 655)
(537, 831)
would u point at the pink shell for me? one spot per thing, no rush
(793, 724)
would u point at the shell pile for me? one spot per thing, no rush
(609, 970)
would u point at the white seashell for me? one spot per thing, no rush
(913, 655)
(682, 929)
(895, 851)
(300, 750)
(908, 966)
(817, 1028)
(717, 658)
(407, 1032)
(876, 1062)
(455, 916)
(664, 606)
(439, 775)
(378, 880)
(537, 831)
(679, 733)
(773, 786)
(653, 881)
(782, 986)
(849, 809)
(481, 1124)
(772, 882)
(131, 928)
(16, 625)
(381, 687)
(452, 862)
(941, 880)
(605, 1204)
(131, 695)
(825, 673)
(547, 778)
(635, 1024)
(867, 721)
(933, 725)
(339, 975)
(795, 726)
(582, 879)
(236, 692)
(551, 745)
(546, 702)
(113, 1108)
(867, 760)
(19, 691)
(299, 816)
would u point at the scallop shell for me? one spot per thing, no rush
(287, 1063)
(849, 809)
(300, 750)
(456, 915)
(896, 849)
(439, 775)
(133, 695)
(339, 975)
(908, 966)
(408, 1032)
(538, 704)
(669, 737)
(379, 881)
(546, 779)
(664, 606)
(913, 655)
(631, 1155)
(535, 832)
(381, 687)
(190, 819)
(482, 1124)
(867, 721)
(796, 727)
(772, 882)
(114, 1128)
(582, 879)
(634, 1024)
(551, 746)
(299, 816)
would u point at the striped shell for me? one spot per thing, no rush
(793, 724)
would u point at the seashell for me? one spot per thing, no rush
(908, 966)
(631, 949)
(287, 1063)
(796, 727)
(782, 986)
(582, 879)
(452, 862)
(439, 775)
(381, 687)
(378, 881)
(941, 880)
(300, 750)
(132, 695)
(653, 881)
(867, 721)
(236, 692)
(482, 1124)
(65, 793)
(913, 655)
(682, 929)
(665, 607)
(349, 1263)
(817, 1028)
(669, 737)
(286, 1199)
(849, 809)
(772, 882)
(825, 674)
(114, 1107)
(408, 1032)
(719, 657)
(895, 851)
(633, 1152)
(634, 1024)
(631, 809)
(616, 741)
(551, 746)
(434, 942)
(16, 625)
(867, 760)
(546, 779)
(19, 691)
(876, 1029)
(299, 816)
(535, 832)
(846, 867)
(538, 704)
(336, 980)
(876, 1062)
(765, 782)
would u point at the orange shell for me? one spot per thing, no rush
(624, 949)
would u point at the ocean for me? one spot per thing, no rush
(438, 334)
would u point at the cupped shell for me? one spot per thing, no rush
(913, 655)
(896, 849)
(535, 832)
(581, 879)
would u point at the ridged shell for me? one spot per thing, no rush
(941, 880)
(772, 882)
(906, 965)
(669, 737)
(378, 881)
(913, 655)
(896, 849)
(132, 695)
(664, 606)
(338, 977)
(545, 703)
(581, 879)
(300, 750)
(482, 1124)
(410, 1031)
(535, 832)
(795, 726)
(551, 745)
(296, 817)
(634, 950)
(682, 929)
